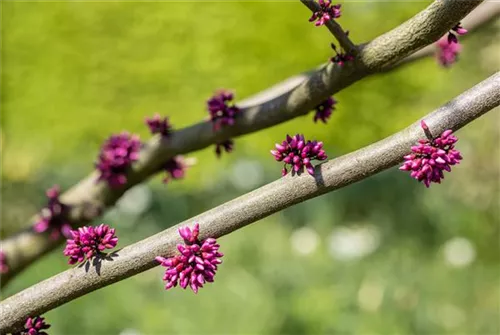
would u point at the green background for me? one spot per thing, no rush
(383, 256)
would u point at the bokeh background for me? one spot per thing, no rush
(383, 256)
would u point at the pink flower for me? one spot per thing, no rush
(326, 13)
(298, 153)
(195, 265)
(431, 157)
(53, 216)
(117, 155)
(447, 53)
(4, 268)
(89, 242)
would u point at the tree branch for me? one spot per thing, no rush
(249, 208)
(426, 27)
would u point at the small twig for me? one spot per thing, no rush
(335, 29)
(249, 208)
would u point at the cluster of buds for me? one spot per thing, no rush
(326, 12)
(175, 168)
(195, 265)
(226, 146)
(34, 326)
(341, 56)
(430, 158)
(88, 242)
(448, 47)
(324, 110)
(53, 217)
(159, 125)
(116, 156)
(222, 111)
(298, 153)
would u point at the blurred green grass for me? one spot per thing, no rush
(75, 72)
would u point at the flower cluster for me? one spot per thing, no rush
(340, 55)
(430, 157)
(448, 46)
(4, 268)
(35, 326)
(53, 216)
(175, 168)
(227, 146)
(324, 110)
(159, 125)
(89, 242)
(222, 112)
(298, 153)
(326, 12)
(196, 264)
(117, 154)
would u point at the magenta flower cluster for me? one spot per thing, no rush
(175, 168)
(298, 153)
(430, 158)
(324, 110)
(226, 146)
(88, 242)
(53, 217)
(35, 326)
(448, 47)
(326, 12)
(4, 268)
(222, 111)
(159, 125)
(341, 57)
(196, 264)
(117, 155)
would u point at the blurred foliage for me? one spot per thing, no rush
(383, 256)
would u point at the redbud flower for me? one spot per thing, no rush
(159, 125)
(459, 29)
(326, 12)
(298, 153)
(175, 168)
(117, 155)
(227, 146)
(53, 216)
(222, 112)
(447, 53)
(88, 242)
(195, 265)
(324, 110)
(430, 157)
(4, 268)
(341, 57)
(35, 326)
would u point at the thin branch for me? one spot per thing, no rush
(334, 28)
(249, 208)
(89, 198)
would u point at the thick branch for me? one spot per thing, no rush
(249, 208)
(426, 27)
